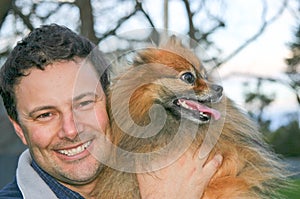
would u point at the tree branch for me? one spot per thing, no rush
(269, 79)
(166, 15)
(120, 22)
(25, 18)
(87, 20)
(140, 8)
(190, 14)
(5, 6)
(258, 33)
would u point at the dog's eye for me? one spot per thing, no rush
(188, 77)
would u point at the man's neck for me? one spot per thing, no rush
(86, 190)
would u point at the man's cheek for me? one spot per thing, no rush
(101, 119)
(41, 139)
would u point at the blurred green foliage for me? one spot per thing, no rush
(294, 192)
(285, 140)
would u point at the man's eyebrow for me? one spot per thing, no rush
(84, 95)
(40, 108)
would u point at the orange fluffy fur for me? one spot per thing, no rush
(249, 169)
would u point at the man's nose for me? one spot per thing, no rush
(70, 128)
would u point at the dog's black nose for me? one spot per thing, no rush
(218, 89)
(216, 93)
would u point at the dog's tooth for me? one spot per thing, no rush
(183, 103)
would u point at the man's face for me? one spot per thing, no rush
(62, 115)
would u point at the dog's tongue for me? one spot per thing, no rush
(201, 108)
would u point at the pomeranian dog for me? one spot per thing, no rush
(166, 104)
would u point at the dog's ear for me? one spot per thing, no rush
(172, 42)
(151, 54)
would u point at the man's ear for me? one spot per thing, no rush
(18, 130)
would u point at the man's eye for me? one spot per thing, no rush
(86, 104)
(44, 116)
(188, 77)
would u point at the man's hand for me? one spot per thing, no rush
(185, 178)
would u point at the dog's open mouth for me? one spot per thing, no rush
(197, 110)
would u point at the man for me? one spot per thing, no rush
(58, 109)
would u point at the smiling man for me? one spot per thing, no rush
(57, 106)
(56, 122)
(46, 123)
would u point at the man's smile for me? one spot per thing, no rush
(75, 150)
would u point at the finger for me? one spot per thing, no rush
(202, 154)
(205, 149)
(211, 167)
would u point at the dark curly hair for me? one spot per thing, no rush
(44, 46)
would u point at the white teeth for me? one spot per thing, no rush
(184, 105)
(203, 114)
(76, 150)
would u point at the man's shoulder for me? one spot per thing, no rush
(11, 191)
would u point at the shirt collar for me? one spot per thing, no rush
(60, 190)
